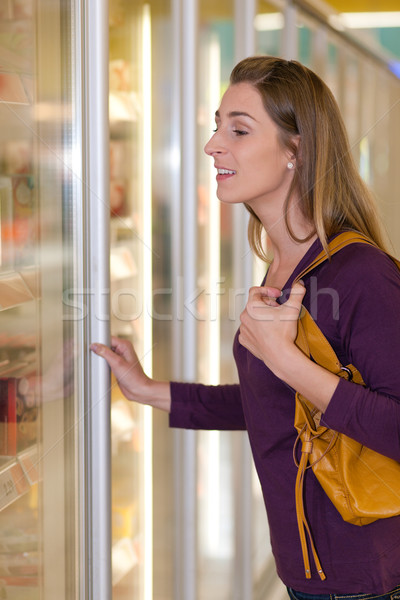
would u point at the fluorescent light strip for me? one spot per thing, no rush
(269, 21)
(350, 20)
(147, 187)
(147, 293)
(370, 20)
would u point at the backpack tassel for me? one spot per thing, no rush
(301, 519)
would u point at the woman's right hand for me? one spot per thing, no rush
(132, 380)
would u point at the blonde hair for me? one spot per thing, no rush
(332, 194)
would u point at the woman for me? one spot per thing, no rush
(280, 148)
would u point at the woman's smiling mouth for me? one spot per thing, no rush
(224, 174)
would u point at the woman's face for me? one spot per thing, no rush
(252, 165)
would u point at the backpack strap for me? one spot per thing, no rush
(340, 241)
(310, 338)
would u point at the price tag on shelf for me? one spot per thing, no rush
(12, 484)
(8, 490)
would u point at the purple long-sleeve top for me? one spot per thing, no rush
(355, 300)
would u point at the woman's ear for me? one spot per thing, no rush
(295, 151)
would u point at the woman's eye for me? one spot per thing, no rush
(215, 130)
(239, 132)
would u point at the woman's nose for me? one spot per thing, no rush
(213, 147)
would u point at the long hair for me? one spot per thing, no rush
(331, 192)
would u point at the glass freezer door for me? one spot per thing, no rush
(48, 427)
(38, 517)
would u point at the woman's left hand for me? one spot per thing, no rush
(267, 328)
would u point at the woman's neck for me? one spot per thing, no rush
(285, 260)
(286, 253)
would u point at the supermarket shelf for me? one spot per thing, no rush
(14, 290)
(17, 475)
(18, 367)
(124, 228)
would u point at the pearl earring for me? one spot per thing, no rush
(290, 165)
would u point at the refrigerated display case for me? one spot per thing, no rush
(77, 477)
(45, 390)
(21, 370)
